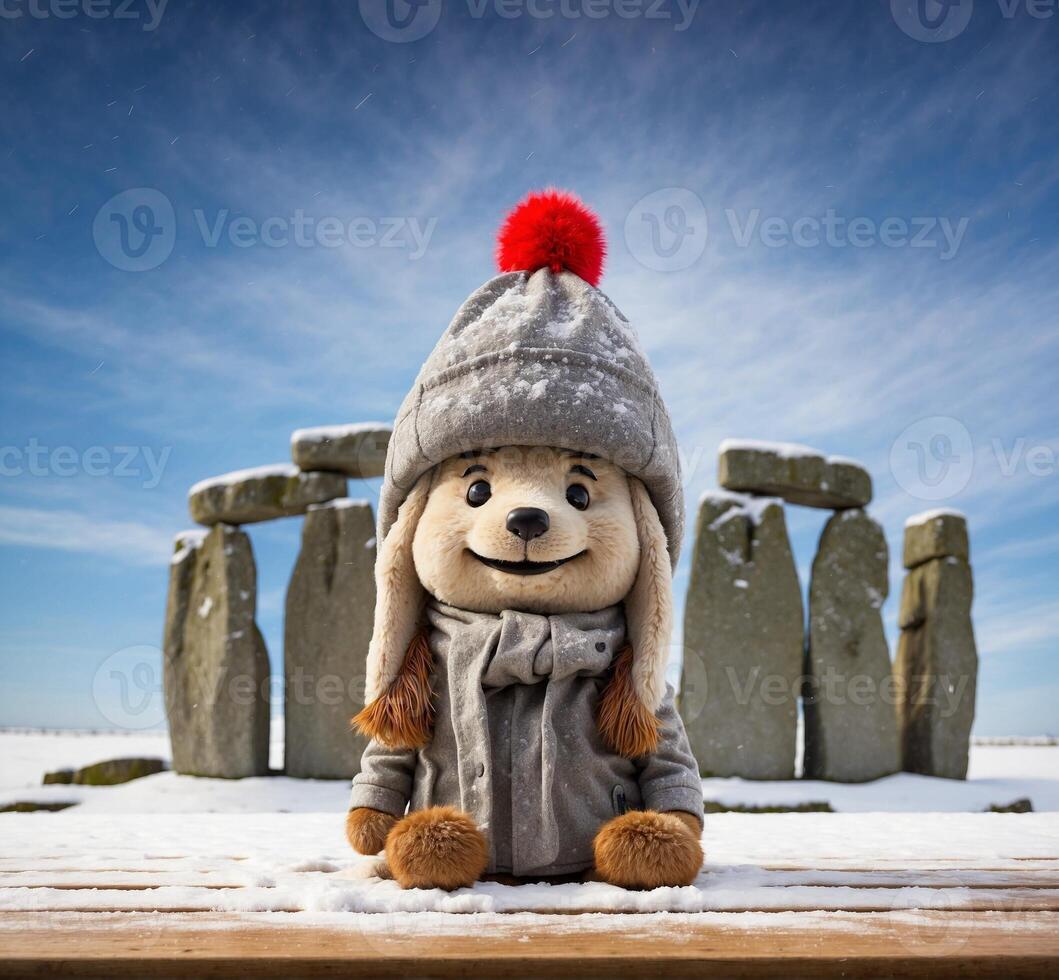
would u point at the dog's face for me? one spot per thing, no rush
(535, 529)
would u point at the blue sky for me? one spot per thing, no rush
(738, 131)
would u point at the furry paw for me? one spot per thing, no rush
(689, 820)
(366, 829)
(436, 848)
(646, 849)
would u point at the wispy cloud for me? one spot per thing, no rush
(1030, 624)
(125, 542)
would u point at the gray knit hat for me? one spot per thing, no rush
(539, 358)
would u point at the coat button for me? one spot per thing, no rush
(600, 647)
(480, 771)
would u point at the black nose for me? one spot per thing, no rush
(528, 522)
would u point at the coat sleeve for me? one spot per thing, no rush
(669, 777)
(385, 779)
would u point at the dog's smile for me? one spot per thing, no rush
(524, 567)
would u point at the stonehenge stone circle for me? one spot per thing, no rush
(215, 666)
(357, 450)
(330, 605)
(798, 474)
(743, 640)
(749, 654)
(850, 698)
(937, 661)
(261, 494)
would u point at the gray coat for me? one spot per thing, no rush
(515, 740)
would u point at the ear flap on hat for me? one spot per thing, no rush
(399, 711)
(628, 705)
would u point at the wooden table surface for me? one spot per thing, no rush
(116, 909)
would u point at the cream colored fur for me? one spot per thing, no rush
(451, 532)
(649, 606)
(618, 539)
(399, 596)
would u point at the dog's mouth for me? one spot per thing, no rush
(524, 567)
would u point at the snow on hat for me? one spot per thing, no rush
(538, 356)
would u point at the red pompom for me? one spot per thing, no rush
(552, 229)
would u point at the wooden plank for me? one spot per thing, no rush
(856, 863)
(122, 879)
(906, 945)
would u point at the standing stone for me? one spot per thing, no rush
(937, 661)
(743, 640)
(357, 450)
(261, 494)
(849, 696)
(330, 605)
(798, 474)
(216, 669)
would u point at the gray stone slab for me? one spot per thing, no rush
(357, 450)
(59, 776)
(798, 474)
(937, 668)
(850, 698)
(215, 666)
(112, 772)
(935, 534)
(330, 605)
(743, 640)
(261, 494)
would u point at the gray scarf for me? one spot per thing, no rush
(502, 661)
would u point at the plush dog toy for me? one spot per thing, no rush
(530, 516)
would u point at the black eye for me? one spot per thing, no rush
(478, 493)
(577, 496)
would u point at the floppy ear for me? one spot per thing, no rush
(399, 712)
(627, 709)
(649, 606)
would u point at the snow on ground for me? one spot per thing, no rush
(301, 863)
(227, 846)
(999, 775)
(26, 755)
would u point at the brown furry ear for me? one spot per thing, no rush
(399, 596)
(649, 605)
(403, 716)
(626, 725)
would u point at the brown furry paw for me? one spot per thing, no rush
(646, 849)
(366, 829)
(689, 820)
(436, 848)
